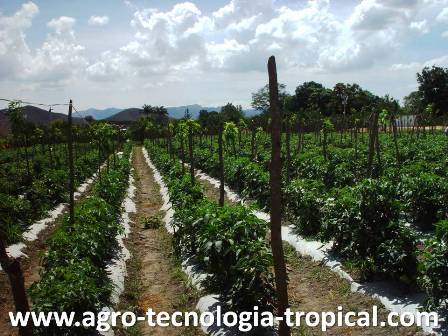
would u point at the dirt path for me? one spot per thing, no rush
(154, 280)
(315, 288)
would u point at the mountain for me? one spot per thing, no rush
(176, 112)
(130, 114)
(100, 114)
(33, 114)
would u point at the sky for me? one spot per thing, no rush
(126, 53)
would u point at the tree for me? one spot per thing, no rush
(413, 103)
(209, 120)
(141, 129)
(312, 94)
(158, 114)
(260, 99)
(433, 86)
(232, 113)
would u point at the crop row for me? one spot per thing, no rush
(228, 243)
(74, 277)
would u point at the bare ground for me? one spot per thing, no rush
(313, 287)
(154, 280)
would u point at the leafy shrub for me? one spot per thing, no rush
(92, 236)
(397, 256)
(363, 223)
(14, 216)
(75, 287)
(442, 230)
(424, 199)
(303, 202)
(434, 272)
(111, 187)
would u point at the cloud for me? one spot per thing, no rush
(445, 34)
(418, 66)
(62, 24)
(109, 67)
(443, 16)
(239, 36)
(14, 50)
(57, 59)
(98, 21)
(420, 26)
(166, 46)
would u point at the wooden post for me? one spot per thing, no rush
(17, 282)
(182, 153)
(395, 133)
(221, 167)
(372, 140)
(253, 132)
(190, 150)
(71, 184)
(324, 143)
(377, 143)
(276, 199)
(288, 147)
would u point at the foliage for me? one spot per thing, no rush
(363, 223)
(303, 201)
(228, 242)
(74, 276)
(433, 85)
(424, 199)
(152, 222)
(434, 272)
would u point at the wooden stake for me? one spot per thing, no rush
(190, 150)
(221, 167)
(71, 184)
(276, 199)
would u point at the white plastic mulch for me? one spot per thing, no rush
(208, 303)
(388, 293)
(117, 270)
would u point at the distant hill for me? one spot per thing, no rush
(34, 115)
(130, 114)
(100, 114)
(177, 112)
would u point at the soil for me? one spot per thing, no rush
(155, 280)
(313, 287)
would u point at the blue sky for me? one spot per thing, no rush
(168, 52)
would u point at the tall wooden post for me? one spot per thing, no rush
(15, 275)
(182, 153)
(288, 147)
(395, 134)
(276, 199)
(71, 184)
(372, 124)
(190, 150)
(221, 167)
